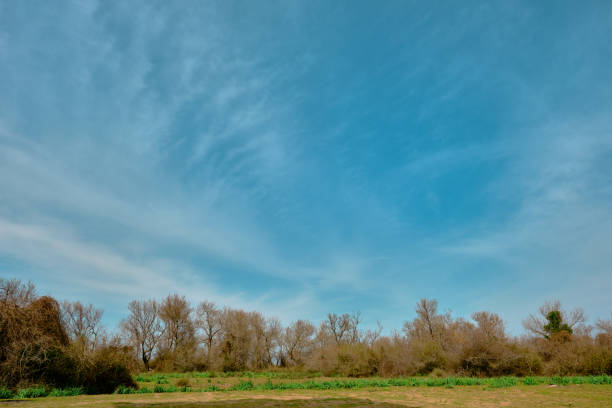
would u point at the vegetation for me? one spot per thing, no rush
(49, 348)
(229, 384)
(36, 351)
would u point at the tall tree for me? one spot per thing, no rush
(208, 319)
(144, 328)
(175, 313)
(429, 325)
(82, 322)
(297, 341)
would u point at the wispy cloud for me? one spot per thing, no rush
(322, 160)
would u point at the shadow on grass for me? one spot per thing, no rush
(271, 403)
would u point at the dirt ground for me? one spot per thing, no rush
(573, 396)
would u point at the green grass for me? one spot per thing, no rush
(66, 392)
(5, 393)
(357, 383)
(162, 384)
(31, 392)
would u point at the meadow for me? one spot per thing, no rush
(336, 393)
(302, 389)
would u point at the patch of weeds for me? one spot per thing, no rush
(66, 392)
(503, 382)
(243, 386)
(32, 392)
(5, 393)
(126, 390)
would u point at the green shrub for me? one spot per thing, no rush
(530, 381)
(503, 382)
(243, 386)
(125, 390)
(107, 376)
(32, 392)
(66, 392)
(5, 393)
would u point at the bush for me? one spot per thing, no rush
(35, 349)
(437, 373)
(243, 386)
(5, 393)
(106, 372)
(125, 390)
(61, 369)
(108, 377)
(66, 392)
(33, 392)
(183, 382)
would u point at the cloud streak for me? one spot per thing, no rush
(301, 160)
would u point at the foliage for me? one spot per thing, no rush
(32, 392)
(555, 324)
(5, 393)
(66, 392)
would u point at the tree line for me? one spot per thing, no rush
(43, 340)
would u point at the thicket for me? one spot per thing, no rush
(36, 350)
(64, 346)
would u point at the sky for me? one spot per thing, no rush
(300, 158)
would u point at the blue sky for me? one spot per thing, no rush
(300, 158)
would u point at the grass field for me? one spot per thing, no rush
(584, 395)
(291, 389)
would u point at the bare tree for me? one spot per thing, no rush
(355, 335)
(428, 323)
(604, 326)
(338, 326)
(272, 339)
(143, 328)
(297, 341)
(238, 339)
(427, 311)
(372, 335)
(175, 312)
(490, 326)
(12, 291)
(82, 322)
(208, 319)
